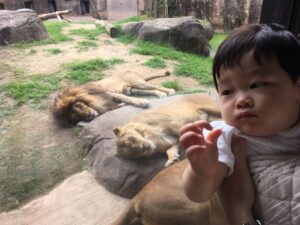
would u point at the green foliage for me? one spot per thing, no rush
(119, 23)
(33, 89)
(6, 109)
(189, 64)
(126, 38)
(196, 67)
(90, 34)
(150, 48)
(82, 72)
(55, 33)
(173, 84)
(32, 51)
(217, 39)
(108, 42)
(86, 45)
(155, 62)
(54, 51)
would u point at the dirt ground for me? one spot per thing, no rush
(35, 154)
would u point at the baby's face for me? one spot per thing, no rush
(259, 100)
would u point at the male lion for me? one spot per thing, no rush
(163, 202)
(156, 130)
(86, 102)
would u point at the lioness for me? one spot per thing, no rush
(85, 102)
(163, 202)
(156, 130)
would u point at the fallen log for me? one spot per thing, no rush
(109, 27)
(57, 14)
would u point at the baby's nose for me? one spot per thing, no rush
(244, 102)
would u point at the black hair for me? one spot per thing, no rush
(266, 41)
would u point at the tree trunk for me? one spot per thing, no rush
(57, 14)
(109, 27)
(166, 13)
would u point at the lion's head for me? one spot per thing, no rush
(132, 141)
(77, 104)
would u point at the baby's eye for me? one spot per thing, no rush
(258, 84)
(227, 92)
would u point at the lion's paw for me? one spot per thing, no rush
(143, 103)
(171, 92)
(160, 94)
(173, 160)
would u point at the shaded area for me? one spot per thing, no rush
(35, 155)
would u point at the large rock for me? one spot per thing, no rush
(22, 25)
(124, 177)
(184, 33)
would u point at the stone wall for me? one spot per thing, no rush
(224, 15)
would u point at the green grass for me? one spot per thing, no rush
(55, 35)
(6, 109)
(82, 72)
(155, 62)
(54, 51)
(119, 23)
(196, 67)
(33, 88)
(189, 64)
(173, 84)
(217, 39)
(108, 42)
(86, 45)
(89, 34)
(126, 38)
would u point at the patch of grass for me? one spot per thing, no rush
(55, 32)
(196, 67)
(108, 42)
(119, 23)
(82, 72)
(217, 39)
(126, 38)
(173, 84)
(34, 89)
(192, 91)
(189, 64)
(90, 34)
(86, 45)
(6, 109)
(150, 48)
(16, 72)
(55, 35)
(32, 51)
(54, 51)
(155, 62)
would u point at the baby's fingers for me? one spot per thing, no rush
(213, 136)
(191, 138)
(196, 127)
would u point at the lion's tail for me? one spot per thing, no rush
(128, 216)
(167, 73)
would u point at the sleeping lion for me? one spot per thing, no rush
(156, 130)
(86, 102)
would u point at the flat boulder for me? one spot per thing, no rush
(124, 177)
(187, 34)
(22, 25)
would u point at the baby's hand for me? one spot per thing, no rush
(201, 152)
